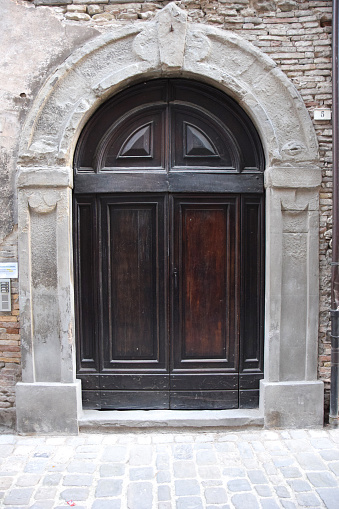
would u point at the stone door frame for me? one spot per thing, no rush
(49, 396)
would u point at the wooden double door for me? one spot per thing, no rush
(168, 253)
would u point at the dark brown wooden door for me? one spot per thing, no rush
(168, 209)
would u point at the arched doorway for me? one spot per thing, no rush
(48, 400)
(168, 236)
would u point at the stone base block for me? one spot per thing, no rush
(48, 408)
(292, 404)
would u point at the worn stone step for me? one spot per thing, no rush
(107, 420)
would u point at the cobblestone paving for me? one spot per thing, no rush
(182, 470)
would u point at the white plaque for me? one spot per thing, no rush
(8, 270)
(322, 114)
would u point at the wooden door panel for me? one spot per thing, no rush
(134, 400)
(251, 282)
(156, 382)
(250, 379)
(136, 142)
(251, 305)
(204, 296)
(249, 398)
(132, 291)
(134, 337)
(204, 315)
(205, 381)
(206, 400)
(228, 114)
(175, 182)
(184, 182)
(203, 274)
(90, 381)
(86, 277)
(133, 296)
(200, 143)
(91, 400)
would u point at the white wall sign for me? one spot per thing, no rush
(9, 270)
(322, 114)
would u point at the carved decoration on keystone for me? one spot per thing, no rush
(172, 26)
(43, 202)
(293, 148)
(198, 46)
(174, 41)
(144, 45)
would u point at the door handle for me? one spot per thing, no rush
(175, 278)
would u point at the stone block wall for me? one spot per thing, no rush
(296, 34)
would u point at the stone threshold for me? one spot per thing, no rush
(113, 420)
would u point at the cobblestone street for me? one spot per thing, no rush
(180, 470)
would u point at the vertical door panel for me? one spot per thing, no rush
(132, 282)
(86, 281)
(252, 290)
(203, 273)
(86, 294)
(134, 302)
(204, 317)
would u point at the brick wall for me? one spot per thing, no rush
(10, 356)
(296, 34)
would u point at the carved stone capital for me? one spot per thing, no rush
(293, 177)
(33, 176)
(42, 201)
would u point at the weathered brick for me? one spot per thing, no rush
(8, 318)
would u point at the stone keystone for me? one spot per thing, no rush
(172, 24)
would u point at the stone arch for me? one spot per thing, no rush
(168, 46)
(145, 50)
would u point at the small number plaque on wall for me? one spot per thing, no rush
(5, 295)
(322, 114)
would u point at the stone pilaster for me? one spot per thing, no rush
(290, 394)
(48, 397)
